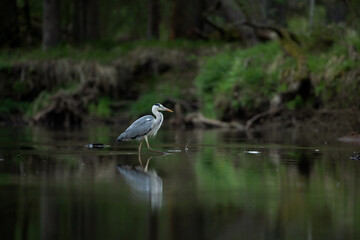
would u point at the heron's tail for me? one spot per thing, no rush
(121, 137)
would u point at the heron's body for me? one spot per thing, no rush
(141, 127)
(144, 127)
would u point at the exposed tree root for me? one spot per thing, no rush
(263, 115)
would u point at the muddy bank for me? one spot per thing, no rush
(338, 122)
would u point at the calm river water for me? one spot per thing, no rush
(214, 184)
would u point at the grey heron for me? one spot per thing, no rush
(144, 127)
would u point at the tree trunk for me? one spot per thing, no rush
(86, 20)
(79, 19)
(235, 15)
(9, 25)
(153, 19)
(186, 18)
(278, 10)
(311, 14)
(336, 11)
(28, 24)
(92, 20)
(51, 24)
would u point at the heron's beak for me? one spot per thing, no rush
(169, 110)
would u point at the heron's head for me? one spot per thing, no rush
(160, 107)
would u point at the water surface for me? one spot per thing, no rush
(215, 184)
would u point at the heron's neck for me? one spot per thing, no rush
(158, 120)
(158, 115)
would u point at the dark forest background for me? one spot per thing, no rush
(242, 61)
(29, 23)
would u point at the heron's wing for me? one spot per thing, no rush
(139, 128)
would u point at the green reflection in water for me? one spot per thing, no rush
(305, 196)
(56, 189)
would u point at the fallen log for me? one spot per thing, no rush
(352, 138)
(198, 120)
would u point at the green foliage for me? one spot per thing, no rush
(101, 109)
(99, 134)
(86, 52)
(157, 95)
(282, 87)
(298, 25)
(8, 106)
(214, 70)
(320, 88)
(68, 88)
(19, 86)
(317, 63)
(335, 86)
(319, 15)
(296, 103)
(238, 79)
(102, 51)
(41, 101)
(322, 38)
(246, 79)
(354, 39)
(332, 62)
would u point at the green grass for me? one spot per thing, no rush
(103, 52)
(246, 79)
(331, 68)
(159, 94)
(39, 103)
(8, 106)
(320, 62)
(296, 103)
(78, 54)
(238, 79)
(233, 79)
(101, 109)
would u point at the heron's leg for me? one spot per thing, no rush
(139, 153)
(139, 150)
(139, 158)
(147, 142)
(147, 164)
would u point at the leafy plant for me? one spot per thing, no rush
(8, 106)
(159, 94)
(296, 103)
(237, 75)
(101, 109)
(39, 103)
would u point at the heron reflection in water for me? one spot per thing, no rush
(144, 127)
(145, 183)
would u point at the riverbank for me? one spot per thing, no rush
(235, 87)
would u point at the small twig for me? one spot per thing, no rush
(187, 144)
